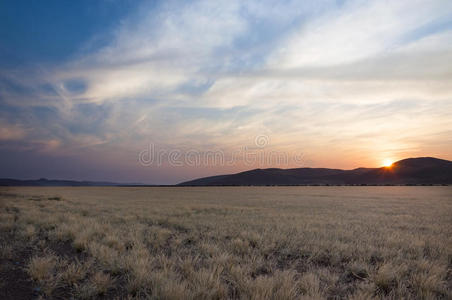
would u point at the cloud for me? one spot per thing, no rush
(364, 77)
(11, 132)
(159, 52)
(359, 30)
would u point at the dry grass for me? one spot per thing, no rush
(43, 269)
(240, 243)
(101, 282)
(75, 272)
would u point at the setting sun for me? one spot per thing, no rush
(387, 163)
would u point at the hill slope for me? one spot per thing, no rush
(422, 170)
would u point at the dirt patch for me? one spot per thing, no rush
(15, 282)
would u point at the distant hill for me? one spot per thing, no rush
(52, 182)
(421, 170)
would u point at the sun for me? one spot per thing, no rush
(387, 163)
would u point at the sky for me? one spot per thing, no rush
(166, 91)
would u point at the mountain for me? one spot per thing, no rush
(52, 182)
(421, 170)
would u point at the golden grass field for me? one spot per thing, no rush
(227, 242)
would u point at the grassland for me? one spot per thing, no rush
(231, 242)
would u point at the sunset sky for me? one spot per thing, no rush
(86, 86)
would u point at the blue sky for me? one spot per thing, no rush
(53, 31)
(86, 86)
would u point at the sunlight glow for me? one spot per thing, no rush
(387, 163)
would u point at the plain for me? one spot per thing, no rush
(227, 242)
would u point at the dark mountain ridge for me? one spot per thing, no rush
(52, 182)
(416, 171)
(411, 171)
